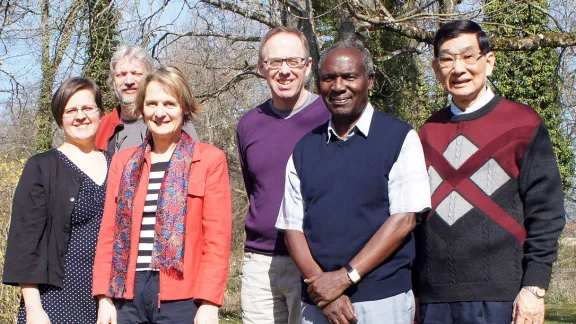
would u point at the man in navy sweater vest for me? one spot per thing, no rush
(353, 188)
(485, 251)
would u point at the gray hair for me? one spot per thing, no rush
(130, 53)
(366, 58)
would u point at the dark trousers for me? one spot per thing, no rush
(467, 313)
(144, 307)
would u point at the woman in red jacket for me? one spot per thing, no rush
(163, 248)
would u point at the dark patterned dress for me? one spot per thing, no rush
(73, 302)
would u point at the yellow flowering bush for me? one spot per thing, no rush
(10, 171)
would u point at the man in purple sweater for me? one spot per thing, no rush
(267, 135)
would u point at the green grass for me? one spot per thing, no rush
(555, 314)
(561, 314)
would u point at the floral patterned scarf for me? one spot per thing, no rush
(168, 248)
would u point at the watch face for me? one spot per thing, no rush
(354, 276)
(540, 292)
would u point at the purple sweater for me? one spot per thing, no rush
(265, 143)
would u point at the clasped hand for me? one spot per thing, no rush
(327, 287)
(326, 291)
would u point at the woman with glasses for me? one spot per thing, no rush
(162, 253)
(56, 214)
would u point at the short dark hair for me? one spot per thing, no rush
(366, 58)
(67, 90)
(174, 82)
(455, 28)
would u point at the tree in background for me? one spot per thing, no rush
(399, 33)
(531, 77)
(65, 31)
(400, 87)
(57, 28)
(102, 16)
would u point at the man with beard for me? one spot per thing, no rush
(123, 127)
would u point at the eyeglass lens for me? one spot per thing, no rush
(85, 109)
(293, 62)
(468, 58)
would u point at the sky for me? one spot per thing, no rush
(20, 47)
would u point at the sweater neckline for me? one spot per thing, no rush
(476, 114)
(267, 110)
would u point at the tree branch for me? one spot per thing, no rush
(392, 25)
(393, 54)
(229, 37)
(203, 97)
(536, 42)
(418, 10)
(540, 41)
(250, 14)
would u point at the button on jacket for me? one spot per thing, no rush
(40, 226)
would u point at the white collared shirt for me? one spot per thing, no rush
(362, 125)
(481, 102)
(408, 184)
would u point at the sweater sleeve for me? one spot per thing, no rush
(248, 181)
(26, 254)
(542, 194)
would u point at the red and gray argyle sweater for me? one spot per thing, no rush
(497, 205)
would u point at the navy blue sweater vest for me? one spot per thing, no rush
(344, 187)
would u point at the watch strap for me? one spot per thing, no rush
(348, 267)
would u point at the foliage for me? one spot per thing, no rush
(531, 77)
(103, 19)
(9, 296)
(56, 37)
(399, 85)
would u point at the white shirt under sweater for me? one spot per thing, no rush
(408, 184)
(481, 102)
(157, 171)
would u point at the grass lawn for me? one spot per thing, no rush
(560, 314)
(555, 314)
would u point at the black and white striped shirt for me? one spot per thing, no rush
(149, 217)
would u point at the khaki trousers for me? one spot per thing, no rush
(271, 290)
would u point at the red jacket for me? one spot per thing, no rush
(107, 128)
(208, 229)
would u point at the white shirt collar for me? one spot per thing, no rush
(481, 102)
(362, 124)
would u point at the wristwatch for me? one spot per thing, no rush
(353, 275)
(537, 291)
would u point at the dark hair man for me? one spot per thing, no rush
(353, 188)
(486, 249)
(266, 137)
(123, 127)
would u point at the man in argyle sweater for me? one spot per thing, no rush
(485, 251)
